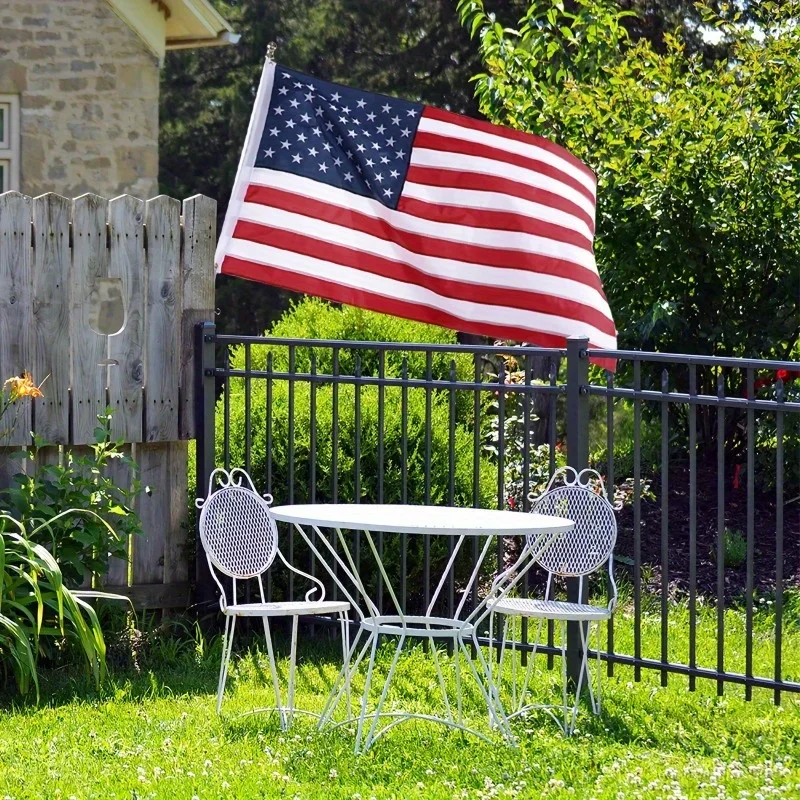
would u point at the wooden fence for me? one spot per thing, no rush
(101, 298)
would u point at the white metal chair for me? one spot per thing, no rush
(240, 540)
(581, 498)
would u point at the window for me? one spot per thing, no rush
(9, 142)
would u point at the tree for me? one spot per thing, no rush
(698, 239)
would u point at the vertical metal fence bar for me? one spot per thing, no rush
(248, 366)
(312, 449)
(720, 532)
(335, 429)
(637, 520)
(426, 544)
(501, 446)
(268, 414)
(357, 456)
(451, 482)
(610, 485)
(551, 419)
(226, 406)
(476, 462)
(205, 453)
(335, 451)
(290, 465)
(312, 443)
(779, 430)
(268, 454)
(578, 457)
(665, 526)
(381, 457)
(692, 524)
(551, 468)
(404, 478)
(527, 402)
(748, 654)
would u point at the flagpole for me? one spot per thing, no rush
(249, 153)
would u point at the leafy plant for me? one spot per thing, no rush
(35, 605)
(81, 544)
(735, 547)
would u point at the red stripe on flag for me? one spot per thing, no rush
(492, 220)
(377, 265)
(417, 243)
(455, 179)
(508, 133)
(337, 293)
(449, 144)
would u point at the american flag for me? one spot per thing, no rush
(412, 211)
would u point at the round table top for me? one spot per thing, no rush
(421, 519)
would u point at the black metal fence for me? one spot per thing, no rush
(702, 454)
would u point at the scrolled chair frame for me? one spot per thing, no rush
(581, 497)
(240, 540)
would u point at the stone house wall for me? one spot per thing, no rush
(88, 89)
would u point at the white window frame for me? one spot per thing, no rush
(9, 144)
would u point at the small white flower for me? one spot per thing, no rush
(333, 774)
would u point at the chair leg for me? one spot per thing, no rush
(345, 626)
(273, 670)
(599, 668)
(564, 676)
(503, 645)
(292, 669)
(227, 646)
(529, 669)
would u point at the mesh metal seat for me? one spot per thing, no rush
(580, 497)
(240, 540)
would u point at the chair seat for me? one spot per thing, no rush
(289, 608)
(550, 609)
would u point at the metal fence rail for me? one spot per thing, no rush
(339, 421)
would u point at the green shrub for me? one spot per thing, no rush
(81, 543)
(315, 318)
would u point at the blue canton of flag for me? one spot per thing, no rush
(343, 137)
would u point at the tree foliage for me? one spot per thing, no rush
(698, 239)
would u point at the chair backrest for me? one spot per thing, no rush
(237, 530)
(581, 498)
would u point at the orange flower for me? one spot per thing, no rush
(22, 386)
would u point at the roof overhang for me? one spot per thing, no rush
(175, 24)
(196, 23)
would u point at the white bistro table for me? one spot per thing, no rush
(459, 630)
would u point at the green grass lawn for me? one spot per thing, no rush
(156, 735)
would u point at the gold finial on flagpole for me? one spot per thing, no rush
(271, 48)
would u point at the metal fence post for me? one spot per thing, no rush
(205, 394)
(578, 458)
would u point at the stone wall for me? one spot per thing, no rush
(88, 89)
